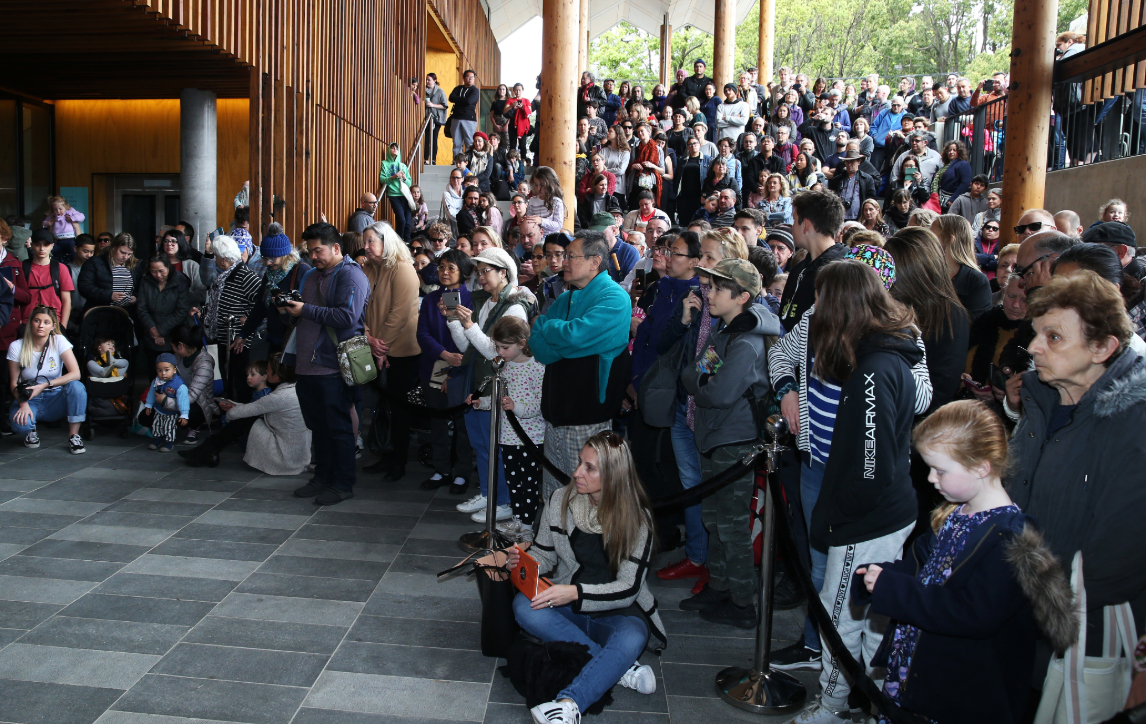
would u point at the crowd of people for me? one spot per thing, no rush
(964, 400)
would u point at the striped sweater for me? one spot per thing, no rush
(240, 290)
(791, 353)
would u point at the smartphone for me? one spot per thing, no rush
(216, 232)
(989, 85)
(910, 172)
(973, 385)
(998, 379)
(451, 299)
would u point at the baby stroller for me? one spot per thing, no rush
(114, 323)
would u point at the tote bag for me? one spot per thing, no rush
(1082, 689)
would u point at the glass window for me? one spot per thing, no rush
(9, 196)
(37, 142)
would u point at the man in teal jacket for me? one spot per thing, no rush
(391, 176)
(582, 339)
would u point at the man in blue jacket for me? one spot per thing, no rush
(333, 308)
(612, 104)
(886, 122)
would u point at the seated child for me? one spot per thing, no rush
(257, 379)
(104, 363)
(169, 402)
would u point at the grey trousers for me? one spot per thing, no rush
(563, 449)
(463, 135)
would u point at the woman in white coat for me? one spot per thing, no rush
(278, 441)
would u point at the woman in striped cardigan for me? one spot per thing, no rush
(230, 299)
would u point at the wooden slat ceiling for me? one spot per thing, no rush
(107, 49)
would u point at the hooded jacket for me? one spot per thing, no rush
(724, 415)
(800, 290)
(1084, 482)
(1004, 589)
(390, 166)
(884, 124)
(867, 491)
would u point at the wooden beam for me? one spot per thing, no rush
(583, 38)
(766, 42)
(559, 80)
(724, 44)
(1103, 58)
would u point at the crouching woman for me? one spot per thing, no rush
(597, 533)
(44, 358)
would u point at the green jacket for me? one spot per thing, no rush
(392, 165)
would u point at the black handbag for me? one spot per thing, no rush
(499, 627)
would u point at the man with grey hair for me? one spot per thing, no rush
(928, 159)
(582, 339)
(842, 121)
(588, 91)
(1037, 254)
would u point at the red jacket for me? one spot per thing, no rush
(517, 110)
(22, 297)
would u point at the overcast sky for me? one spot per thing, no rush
(521, 56)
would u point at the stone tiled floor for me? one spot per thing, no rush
(134, 590)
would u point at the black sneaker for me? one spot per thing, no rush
(331, 496)
(729, 614)
(706, 598)
(786, 594)
(796, 656)
(309, 490)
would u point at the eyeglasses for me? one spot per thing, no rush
(554, 254)
(677, 253)
(487, 270)
(575, 256)
(1024, 270)
(662, 250)
(1034, 226)
(454, 178)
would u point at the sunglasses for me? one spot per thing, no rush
(1022, 271)
(1034, 226)
(990, 228)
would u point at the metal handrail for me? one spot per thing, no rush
(418, 139)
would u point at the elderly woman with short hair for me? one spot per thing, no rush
(392, 326)
(230, 300)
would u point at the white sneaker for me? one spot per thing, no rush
(32, 440)
(472, 505)
(76, 444)
(640, 678)
(817, 713)
(556, 712)
(502, 512)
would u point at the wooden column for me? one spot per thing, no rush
(559, 80)
(724, 44)
(583, 39)
(766, 45)
(666, 74)
(1028, 107)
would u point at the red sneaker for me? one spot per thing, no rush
(701, 582)
(681, 569)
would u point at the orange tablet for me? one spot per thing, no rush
(525, 577)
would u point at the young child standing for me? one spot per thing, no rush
(977, 589)
(63, 223)
(523, 375)
(169, 402)
(50, 286)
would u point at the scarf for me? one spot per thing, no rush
(273, 277)
(701, 340)
(211, 320)
(896, 217)
(478, 161)
(584, 514)
(648, 151)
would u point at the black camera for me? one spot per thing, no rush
(989, 85)
(24, 390)
(281, 298)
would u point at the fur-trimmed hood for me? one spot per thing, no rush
(1043, 579)
(1125, 385)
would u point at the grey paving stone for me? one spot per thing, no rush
(323, 567)
(214, 568)
(252, 520)
(227, 472)
(702, 709)
(25, 615)
(177, 587)
(20, 486)
(271, 635)
(416, 661)
(417, 576)
(32, 702)
(53, 507)
(36, 520)
(341, 533)
(121, 469)
(203, 497)
(329, 716)
(78, 667)
(438, 634)
(365, 520)
(130, 717)
(335, 589)
(10, 549)
(42, 590)
(86, 551)
(289, 505)
(90, 490)
(443, 531)
(24, 536)
(38, 467)
(213, 700)
(289, 609)
(340, 550)
(137, 608)
(8, 635)
(197, 483)
(61, 568)
(380, 507)
(437, 608)
(235, 533)
(430, 547)
(282, 668)
(139, 520)
(399, 696)
(159, 507)
(106, 635)
(112, 534)
(222, 550)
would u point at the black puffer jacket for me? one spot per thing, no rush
(164, 309)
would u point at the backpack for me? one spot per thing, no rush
(53, 266)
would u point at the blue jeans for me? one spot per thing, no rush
(477, 429)
(811, 480)
(615, 643)
(688, 461)
(325, 402)
(70, 400)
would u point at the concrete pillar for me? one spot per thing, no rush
(197, 162)
(583, 38)
(766, 45)
(724, 45)
(1028, 107)
(559, 81)
(666, 73)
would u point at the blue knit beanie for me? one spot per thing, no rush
(276, 243)
(168, 358)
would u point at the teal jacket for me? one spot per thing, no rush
(392, 165)
(585, 322)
